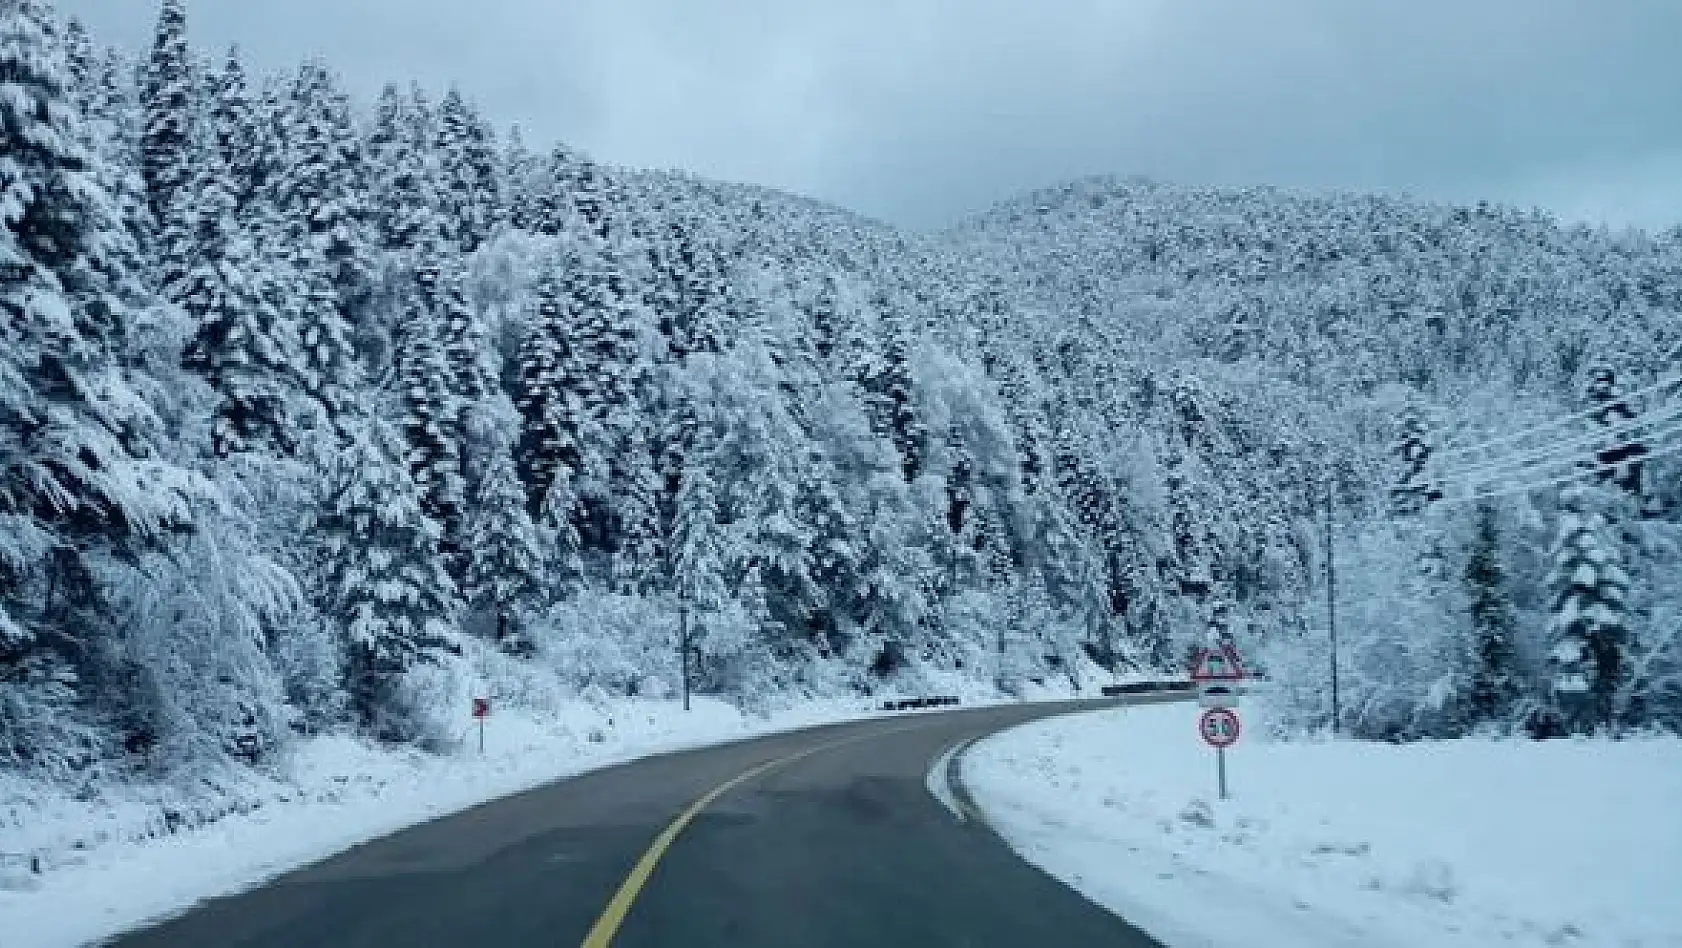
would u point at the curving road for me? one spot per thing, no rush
(822, 837)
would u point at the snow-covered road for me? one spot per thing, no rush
(1453, 844)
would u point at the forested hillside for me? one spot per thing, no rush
(319, 414)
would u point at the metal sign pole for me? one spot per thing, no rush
(481, 735)
(1220, 769)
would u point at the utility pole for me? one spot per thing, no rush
(1331, 600)
(683, 647)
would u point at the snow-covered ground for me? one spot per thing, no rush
(112, 864)
(1339, 843)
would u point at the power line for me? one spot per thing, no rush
(1667, 420)
(1453, 450)
(1565, 479)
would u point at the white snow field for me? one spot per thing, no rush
(111, 865)
(1339, 843)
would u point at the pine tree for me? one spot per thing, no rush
(328, 370)
(406, 208)
(431, 413)
(697, 543)
(321, 191)
(79, 469)
(167, 94)
(104, 96)
(470, 185)
(76, 437)
(572, 194)
(241, 147)
(548, 450)
(519, 174)
(242, 344)
(638, 548)
(1495, 686)
(505, 550)
(467, 343)
(385, 585)
(1587, 657)
(894, 389)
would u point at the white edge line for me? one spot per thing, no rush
(939, 781)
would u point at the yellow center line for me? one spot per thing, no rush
(601, 934)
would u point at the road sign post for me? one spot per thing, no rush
(1219, 728)
(1217, 672)
(481, 711)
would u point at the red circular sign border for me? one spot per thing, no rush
(1237, 727)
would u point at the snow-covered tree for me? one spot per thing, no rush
(385, 585)
(1588, 651)
(80, 469)
(505, 552)
(548, 450)
(321, 191)
(470, 186)
(243, 343)
(431, 412)
(1495, 686)
(168, 96)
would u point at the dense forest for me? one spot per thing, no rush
(320, 415)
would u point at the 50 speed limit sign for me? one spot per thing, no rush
(1219, 727)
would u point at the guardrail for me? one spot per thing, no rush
(907, 704)
(1148, 687)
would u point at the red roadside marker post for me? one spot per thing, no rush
(481, 711)
(1217, 672)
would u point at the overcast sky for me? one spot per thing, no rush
(919, 111)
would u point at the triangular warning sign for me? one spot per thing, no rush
(1217, 664)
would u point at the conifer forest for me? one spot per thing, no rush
(323, 415)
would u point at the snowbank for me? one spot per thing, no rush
(1463, 843)
(113, 864)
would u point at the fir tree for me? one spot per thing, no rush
(470, 189)
(894, 389)
(1495, 686)
(76, 437)
(431, 413)
(519, 173)
(322, 190)
(329, 371)
(505, 552)
(167, 94)
(240, 145)
(242, 343)
(385, 585)
(697, 543)
(79, 469)
(406, 206)
(548, 450)
(1587, 657)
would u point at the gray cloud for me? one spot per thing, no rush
(920, 110)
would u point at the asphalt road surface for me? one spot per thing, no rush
(822, 837)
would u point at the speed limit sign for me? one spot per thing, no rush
(1219, 727)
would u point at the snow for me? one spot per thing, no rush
(1463, 843)
(330, 794)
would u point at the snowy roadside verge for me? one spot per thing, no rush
(330, 794)
(1453, 844)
